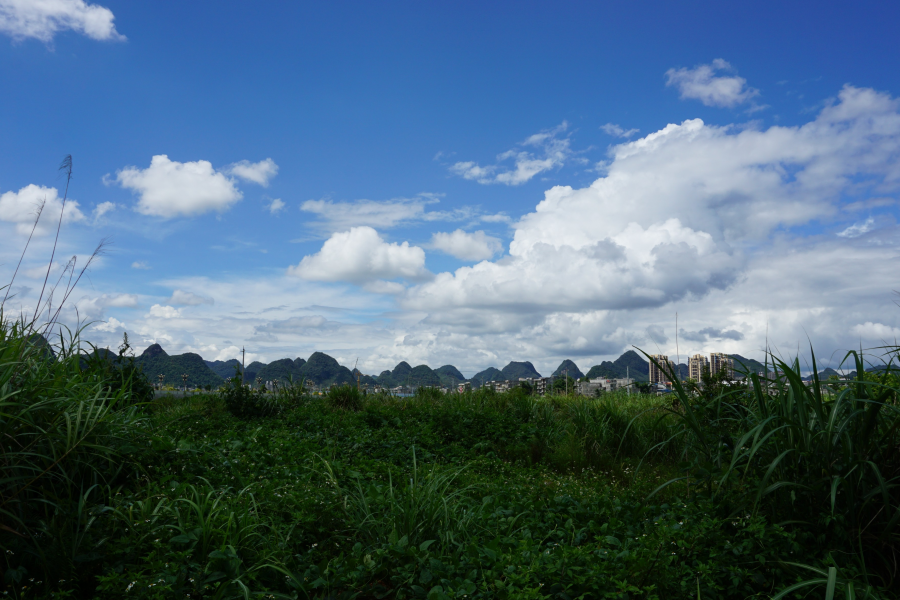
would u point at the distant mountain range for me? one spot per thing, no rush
(324, 370)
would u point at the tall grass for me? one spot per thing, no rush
(64, 433)
(62, 441)
(816, 459)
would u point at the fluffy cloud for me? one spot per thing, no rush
(704, 84)
(110, 326)
(276, 206)
(159, 311)
(466, 246)
(361, 255)
(43, 19)
(675, 216)
(552, 153)
(22, 207)
(169, 188)
(188, 299)
(617, 131)
(260, 172)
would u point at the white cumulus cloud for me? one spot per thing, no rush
(552, 152)
(170, 189)
(704, 83)
(160, 311)
(110, 326)
(674, 217)
(276, 206)
(21, 208)
(359, 256)
(43, 19)
(467, 246)
(260, 172)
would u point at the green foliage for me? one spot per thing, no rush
(280, 494)
(119, 372)
(823, 460)
(344, 397)
(66, 437)
(245, 402)
(564, 385)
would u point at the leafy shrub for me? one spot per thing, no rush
(63, 443)
(344, 397)
(246, 403)
(119, 372)
(824, 461)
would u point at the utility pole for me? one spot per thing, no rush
(243, 357)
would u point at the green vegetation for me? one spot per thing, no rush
(732, 492)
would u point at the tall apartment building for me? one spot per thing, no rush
(657, 375)
(719, 361)
(697, 365)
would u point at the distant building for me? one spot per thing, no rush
(600, 385)
(540, 385)
(463, 387)
(719, 361)
(658, 375)
(697, 366)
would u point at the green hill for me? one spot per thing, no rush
(253, 370)
(516, 370)
(323, 370)
(154, 362)
(282, 370)
(450, 375)
(489, 374)
(630, 364)
(742, 365)
(567, 365)
(223, 368)
(423, 375)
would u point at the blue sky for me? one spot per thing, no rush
(459, 183)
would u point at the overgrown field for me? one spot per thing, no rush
(460, 496)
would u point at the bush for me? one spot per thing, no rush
(344, 397)
(246, 403)
(800, 452)
(64, 441)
